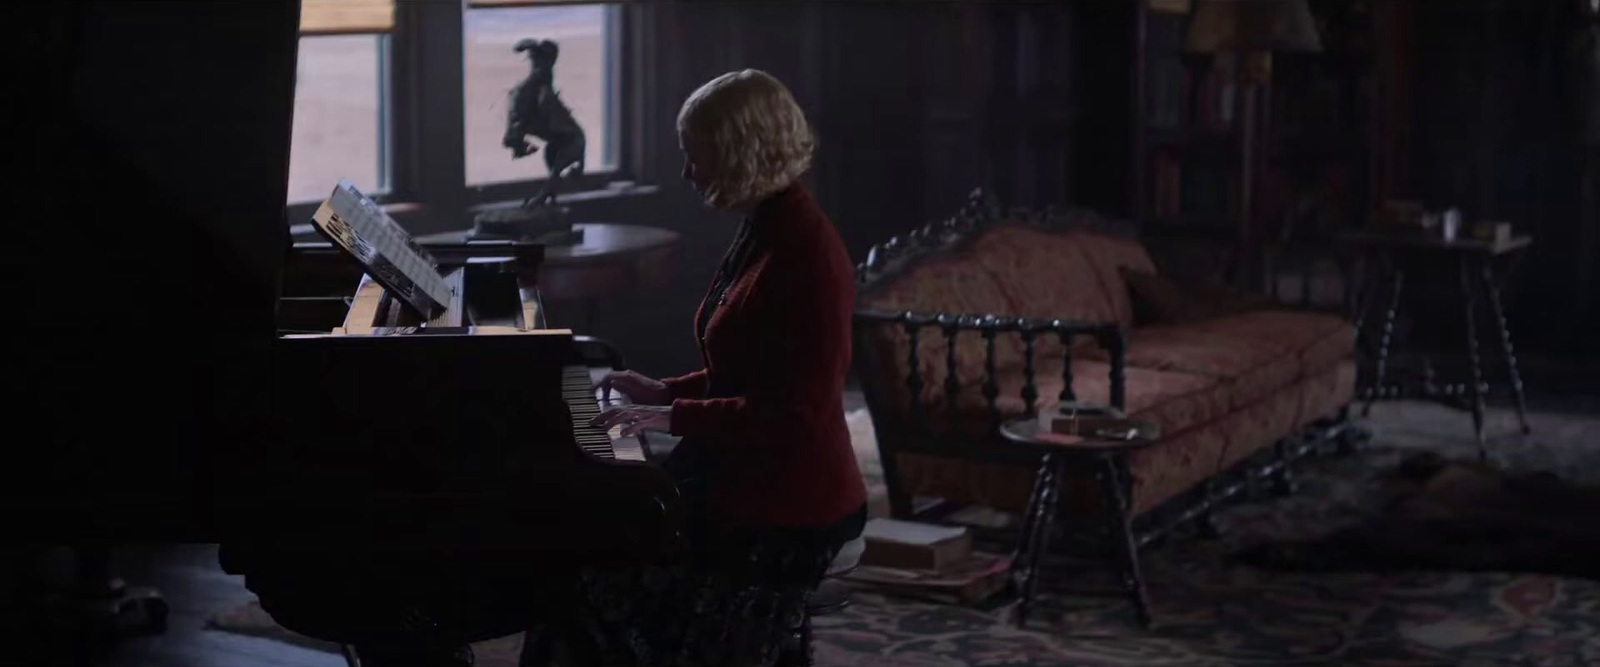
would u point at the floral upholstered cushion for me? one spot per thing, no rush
(1159, 300)
(1253, 354)
(1327, 390)
(1258, 425)
(1109, 255)
(1180, 462)
(1044, 274)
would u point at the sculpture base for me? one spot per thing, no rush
(527, 224)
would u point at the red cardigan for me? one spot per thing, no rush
(769, 402)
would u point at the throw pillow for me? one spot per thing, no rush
(1157, 299)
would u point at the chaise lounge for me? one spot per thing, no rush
(989, 316)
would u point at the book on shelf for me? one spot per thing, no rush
(1214, 98)
(1165, 93)
(1167, 184)
(1179, 7)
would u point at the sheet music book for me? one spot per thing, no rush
(357, 224)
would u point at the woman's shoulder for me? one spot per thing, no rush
(794, 202)
(799, 227)
(794, 214)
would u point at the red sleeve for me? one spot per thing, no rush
(692, 385)
(803, 307)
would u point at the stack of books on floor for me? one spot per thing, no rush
(928, 561)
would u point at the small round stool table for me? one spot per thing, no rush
(1103, 451)
(612, 260)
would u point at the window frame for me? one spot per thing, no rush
(425, 60)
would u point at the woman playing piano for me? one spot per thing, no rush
(765, 460)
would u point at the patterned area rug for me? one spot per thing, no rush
(1210, 609)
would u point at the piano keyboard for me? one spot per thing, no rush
(577, 388)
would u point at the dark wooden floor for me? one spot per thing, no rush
(195, 587)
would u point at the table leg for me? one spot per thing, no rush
(1493, 291)
(1475, 387)
(1384, 342)
(1112, 479)
(1020, 554)
(1358, 292)
(1039, 537)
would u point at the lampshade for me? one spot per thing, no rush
(1252, 26)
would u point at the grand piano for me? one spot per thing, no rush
(437, 426)
(163, 385)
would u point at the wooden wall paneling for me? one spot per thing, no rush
(1105, 82)
(870, 124)
(1139, 164)
(1054, 106)
(1002, 119)
(1391, 111)
(1023, 146)
(956, 78)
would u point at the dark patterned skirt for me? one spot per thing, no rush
(739, 598)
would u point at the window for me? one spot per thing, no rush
(338, 116)
(492, 68)
(340, 98)
(385, 98)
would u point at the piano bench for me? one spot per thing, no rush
(833, 595)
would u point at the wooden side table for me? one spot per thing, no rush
(1474, 263)
(1108, 459)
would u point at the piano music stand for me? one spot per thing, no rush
(385, 251)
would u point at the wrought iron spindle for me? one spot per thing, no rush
(1475, 390)
(991, 385)
(1116, 345)
(1492, 288)
(1067, 394)
(1384, 341)
(914, 361)
(952, 383)
(1030, 389)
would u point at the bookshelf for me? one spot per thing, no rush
(1187, 137)
(1312, 141)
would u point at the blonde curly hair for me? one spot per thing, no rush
(756, 134)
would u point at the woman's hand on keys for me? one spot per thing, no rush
(640, 389)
